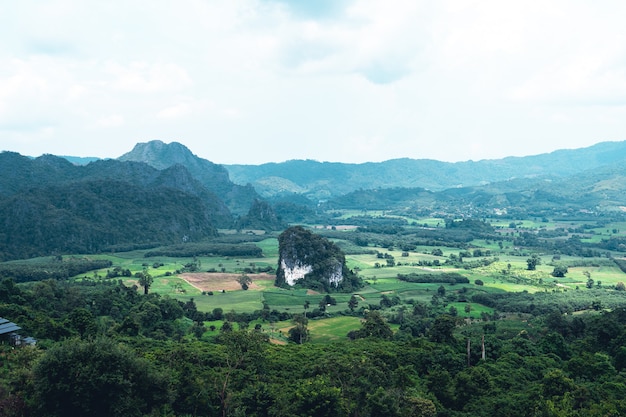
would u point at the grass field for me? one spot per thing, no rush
(335, 328)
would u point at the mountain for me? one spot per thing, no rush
(599, 190)
(95, 216)
(323, 180)
(214, 177)
(261, 216)
(80, 160)
(18, 173)
(49, 205)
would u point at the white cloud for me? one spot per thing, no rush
(351, 80)
(113, 120)
(141, 77)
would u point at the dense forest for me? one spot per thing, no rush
(107, 350)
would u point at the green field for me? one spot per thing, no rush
(507, 273)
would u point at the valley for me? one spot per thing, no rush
(465, 301)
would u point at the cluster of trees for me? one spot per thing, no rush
(53, 310)
(443, 277)
(56, 267)
(191, 249)
(546, 302)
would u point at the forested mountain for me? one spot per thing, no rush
(214, 177)
(322, 180)
(261, 216)
(600, 189)
(49, 205)
(19, 173)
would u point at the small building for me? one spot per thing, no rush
(8, 334)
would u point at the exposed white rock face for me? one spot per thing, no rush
(336, 276)
(295, 272)
(298, 270)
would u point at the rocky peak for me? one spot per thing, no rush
(214, 177)
(309, 259)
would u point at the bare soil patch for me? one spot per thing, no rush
(217, 281)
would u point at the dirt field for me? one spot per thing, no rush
(215, 281)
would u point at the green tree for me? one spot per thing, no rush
(559, 271)
(468, 308)
(441, 291)
(218, 313)
(243, 350)
(82, 321)
(300, 332)
(441, 330)
(353, 303)
(227, 327)
(383, 403)
(419, 407)
(440, 383)
(244, 281)
(472, 383)
(307, 304)
(98, 378)
(316, 397)
(532, 262)
(375, 325)
(556, 383)
(145, 280)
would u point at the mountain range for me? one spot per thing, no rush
(322, 180)
(162, 193)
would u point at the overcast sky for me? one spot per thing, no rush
(253, 81)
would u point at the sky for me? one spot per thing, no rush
(255, 81)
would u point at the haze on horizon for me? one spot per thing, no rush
(253, 81)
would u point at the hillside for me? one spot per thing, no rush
(599, 190)
(214, 177)
(51, 206)
(321, 180)
(90, 217)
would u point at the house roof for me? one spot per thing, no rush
(7, 327)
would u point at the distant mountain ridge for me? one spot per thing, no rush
(322, 180)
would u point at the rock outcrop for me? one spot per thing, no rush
(312, 261)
